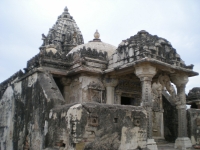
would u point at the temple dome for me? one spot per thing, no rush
(96, 44)
(64, 35)
(144, 45)
(193, 95)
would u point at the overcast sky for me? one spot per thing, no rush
(23, 21)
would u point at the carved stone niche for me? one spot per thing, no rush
(93, 120)
(96, 92)
(136, 121)
(163, 83)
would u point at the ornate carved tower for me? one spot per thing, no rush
(63, 36)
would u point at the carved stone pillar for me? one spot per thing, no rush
(182, 142)
(66, 90)
(110, 84)
(146, 72)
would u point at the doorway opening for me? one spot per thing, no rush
(127, 101)
(59, 84)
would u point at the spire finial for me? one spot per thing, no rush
(96, 35)
(66, 9)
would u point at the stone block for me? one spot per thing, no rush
(95, 126)
(183, 143)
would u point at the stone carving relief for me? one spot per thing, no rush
(157, 95)
(137, 121)
(163, 83)
(76, 57)
(93, 120)
(128, 86)
(93, 53)
(60, 60)
(144, 45)
(50, 59)
(166, 83)
(157, 124)
(64, 35)
(96, 92)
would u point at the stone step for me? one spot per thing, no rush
(160, 141)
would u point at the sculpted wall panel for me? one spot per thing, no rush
(92, 89)
(97, 126)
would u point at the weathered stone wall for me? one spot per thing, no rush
(86, 89)
(97, 126)
(75, 92)
(25, 106)
(92, 89)
(6, 121)
(36, 116)
(128, 86)
(193, 116)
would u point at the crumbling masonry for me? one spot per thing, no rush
(95, 96)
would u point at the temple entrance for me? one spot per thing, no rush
(170, 119)
(59, 84)
(127, 101)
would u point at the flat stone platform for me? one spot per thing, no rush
(169, 146)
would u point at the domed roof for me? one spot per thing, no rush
(64, 35)
(144, 45)
(194, 94)
(96, 44)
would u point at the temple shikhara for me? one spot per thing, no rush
(95, 96)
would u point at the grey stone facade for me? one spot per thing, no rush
(75, 96)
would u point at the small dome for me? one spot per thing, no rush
(96, 44)
(194, 94)
(144, 45)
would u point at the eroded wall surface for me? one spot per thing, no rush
(96, 126)
(24, 108)
(193, 116)
(35, 116)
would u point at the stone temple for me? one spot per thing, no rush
(95, 96)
